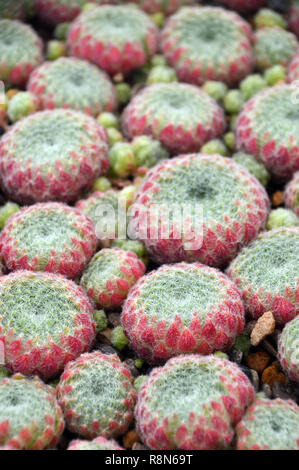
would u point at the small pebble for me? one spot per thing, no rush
(130, 438)
(236, 355)
(255, 380)
(280, 391)
(267, 390)
(106, 349)
(277, 198)
(273, 374)
(138, 446)
(257, 361)
(263, 327)
(114, 319)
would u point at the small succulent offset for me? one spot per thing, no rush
(52, 155)
(269, 425)
(30, 417)
(50, 237)
(206, 43)
(72, 83)
(192, 403)
(97, 396)
(99, 443)
(22, 104)
(266, 273)
(110, 275)
(274, 46)
(182, 309)
(288, 350)
(181, 116)
(282, 217)
(45, 321)
(20, 51)
(116, 38)
(267, 128)
(218, 223)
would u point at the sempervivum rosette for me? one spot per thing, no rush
(268, 128)
(266, 272)
(52, 155)
(20, 52)
(181, 116)
(116, 38)
(192, 403)
(182, 309)
(45, 321)
(30, 417)
(72, 83)
(183, 211)
(206, 43)
(50, 237)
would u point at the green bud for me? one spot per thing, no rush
(252, 85)
(100, 319)
(6, 211)
(233, 101)
(118, 338)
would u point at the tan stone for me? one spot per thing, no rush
(263, 327)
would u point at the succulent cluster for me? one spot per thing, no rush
(97, 396)
(192, 403)
(207, 43)
(30, 417)
(20, 52)
(266, 273)
(72, 83)
(99, 443)
(288, 351)
(149, 225)
(182, 309)
(274, 46)
(110, 275)
(181, 116)
(269, 425)
(52, 155)
(291, 194)
(50, 237)
(116, 38)
(45, 321)
(218, 222)
(267, 128)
